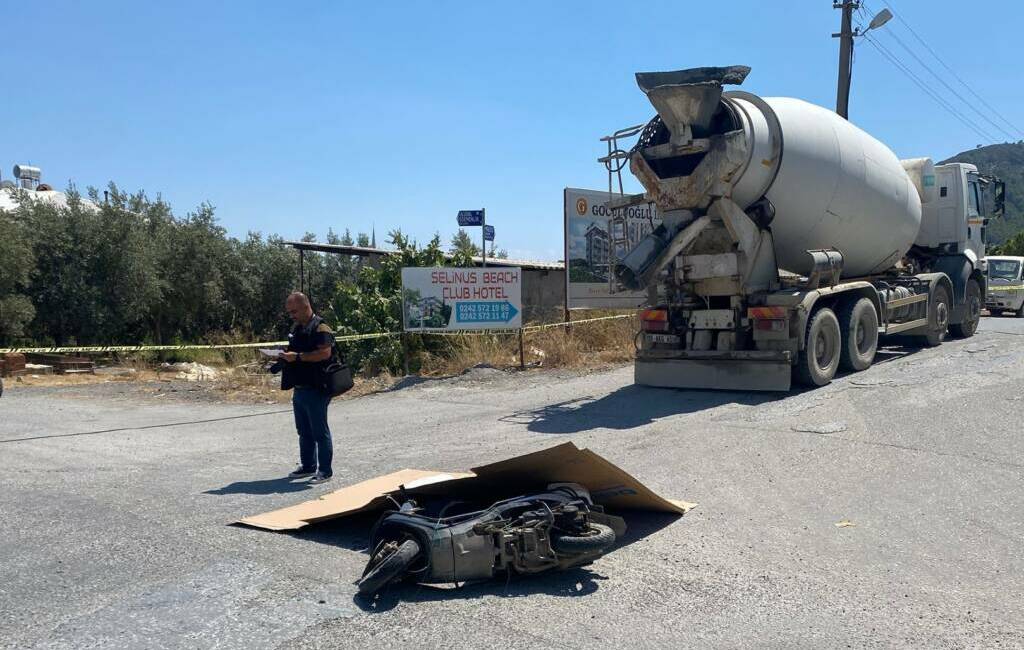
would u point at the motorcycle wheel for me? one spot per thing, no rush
(597, 538)
(388, 565)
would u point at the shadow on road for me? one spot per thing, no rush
(572, 583)
(352, 533)
(894, 349)
(629, 407)
(267, 486)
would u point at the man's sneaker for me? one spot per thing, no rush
(302, 472)
(318, 479)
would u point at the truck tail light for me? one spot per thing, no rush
(770, 319)
(771, 324)
(654, 320)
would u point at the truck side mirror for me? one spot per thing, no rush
(999, 199)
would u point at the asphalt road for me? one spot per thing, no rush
(115, 512)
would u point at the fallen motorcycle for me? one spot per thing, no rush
(439, 541)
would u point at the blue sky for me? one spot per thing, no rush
(295, 118)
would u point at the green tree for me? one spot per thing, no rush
(16, 264)
(1012, 246)
(373, 303)
(462, 243)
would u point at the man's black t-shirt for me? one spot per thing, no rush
(307, 338)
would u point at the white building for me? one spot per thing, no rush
(28, 179)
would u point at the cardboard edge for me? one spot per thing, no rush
(667, 505)
(372, 494)
(376, 489)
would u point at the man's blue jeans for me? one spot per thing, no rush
(315, 447)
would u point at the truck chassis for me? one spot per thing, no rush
(801, 333)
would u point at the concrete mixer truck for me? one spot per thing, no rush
(791, 240)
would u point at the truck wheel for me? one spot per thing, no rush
(858, 323)
(819, 359)
(939, 315)
(1020, 312)
(969, 325)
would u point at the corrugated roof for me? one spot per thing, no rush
(361, 251)
(337, 249)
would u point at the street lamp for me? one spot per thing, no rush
(846, 35)
(881, 18)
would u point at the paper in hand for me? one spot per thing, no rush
(272, 353)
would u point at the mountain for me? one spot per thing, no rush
(1007, 162)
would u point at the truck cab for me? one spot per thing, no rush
(951, 240)
(954, 222)
(1006, 285)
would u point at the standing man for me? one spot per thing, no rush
(310, 346)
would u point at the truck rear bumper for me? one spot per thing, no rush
(765, 372)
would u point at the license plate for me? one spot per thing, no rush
(670, 339)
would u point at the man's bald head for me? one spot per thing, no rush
(298, 307)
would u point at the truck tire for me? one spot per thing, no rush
(1020, 312)
(939, 306)
(858, 325)
(966, 328)
(388, 566)
(819, 359)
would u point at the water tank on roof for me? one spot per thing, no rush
(28, 176)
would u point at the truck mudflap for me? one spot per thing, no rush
(756, 370)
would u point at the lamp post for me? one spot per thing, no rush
(846, 35)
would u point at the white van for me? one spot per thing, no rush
(1005, 286)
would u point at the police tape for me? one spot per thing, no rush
(1000, 288)
(582, 321)
(166, 348)
(516, 330)
(93, 349)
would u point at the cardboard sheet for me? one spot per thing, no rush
(565, 463)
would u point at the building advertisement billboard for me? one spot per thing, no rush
(438, 299)
(594, 236)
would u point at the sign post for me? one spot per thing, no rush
(477, 218)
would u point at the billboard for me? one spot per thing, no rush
(438, 299)
(594, 237)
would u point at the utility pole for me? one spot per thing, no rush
(845, 37)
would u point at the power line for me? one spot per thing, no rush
(952, 72)
(944, 83)
(924, 87)
(920, 83)
(906, 70)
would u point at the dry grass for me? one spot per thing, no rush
(249, 383)
(586, 345)
(241, 377)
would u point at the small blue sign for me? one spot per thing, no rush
(471, 217)
(488, 233)
(484, 312)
